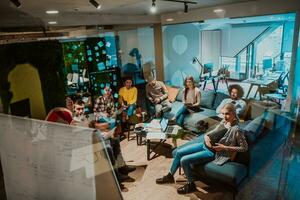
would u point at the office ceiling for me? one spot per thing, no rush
(73, 13)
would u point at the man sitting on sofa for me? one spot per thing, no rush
(236, 93)
(157, 93)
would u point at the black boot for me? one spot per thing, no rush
(126, 169)
(187, 188)
(166, 179)
(121, 177)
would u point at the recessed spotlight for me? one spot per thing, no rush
(169, 19)
(52, 12)
(218, 10)
(52, 22)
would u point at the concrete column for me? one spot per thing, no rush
(158, 52)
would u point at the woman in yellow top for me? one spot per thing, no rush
(128, 97)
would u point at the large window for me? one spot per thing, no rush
(268, 49)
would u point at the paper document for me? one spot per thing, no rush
(156, 135)
(154, 124)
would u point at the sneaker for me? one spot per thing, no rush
(187, 188)
(166, 179)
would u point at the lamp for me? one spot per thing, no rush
(95, 3)
(16, 3)
(195, 59)
(186, 6)
(153, 7)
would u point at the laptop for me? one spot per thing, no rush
(166, 128)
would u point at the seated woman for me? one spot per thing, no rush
(128, 97)
(190, 98)
(222, 144)
(104, 108)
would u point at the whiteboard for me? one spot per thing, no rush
(47, 161)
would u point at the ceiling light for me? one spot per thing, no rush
(16, 3)
(186, 7)
(52, 22)
(95, 3)
(153, 7)
(218, 10)
(52, 12)
(169, 19)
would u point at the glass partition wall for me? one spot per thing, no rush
(247, 46)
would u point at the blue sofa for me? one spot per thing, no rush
(209, 102)
(264, 135)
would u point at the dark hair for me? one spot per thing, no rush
(126, 79)
(79, 102)
(238, 88)
(185, 86)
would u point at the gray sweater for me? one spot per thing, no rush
(229, 136)
(159, 90)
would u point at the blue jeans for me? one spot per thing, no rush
(131, 109)
(180, 115)
(188, 154)
(109, 120)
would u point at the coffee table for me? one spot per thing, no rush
(152, 133)
(159, 137)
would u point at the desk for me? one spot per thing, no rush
(259, 83)
(276, 97)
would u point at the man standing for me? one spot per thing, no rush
(157, 93)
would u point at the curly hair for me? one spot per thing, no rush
(238, 88)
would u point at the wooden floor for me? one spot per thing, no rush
(148, 171)
(265, 184)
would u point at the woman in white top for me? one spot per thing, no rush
(190, 98)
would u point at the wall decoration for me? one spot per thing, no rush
(76, 67)
(46, 57)
(101, 53)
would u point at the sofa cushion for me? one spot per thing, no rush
(176, 105)
(207, 98)
(254, 129)
(231, 173)
(218, 99)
